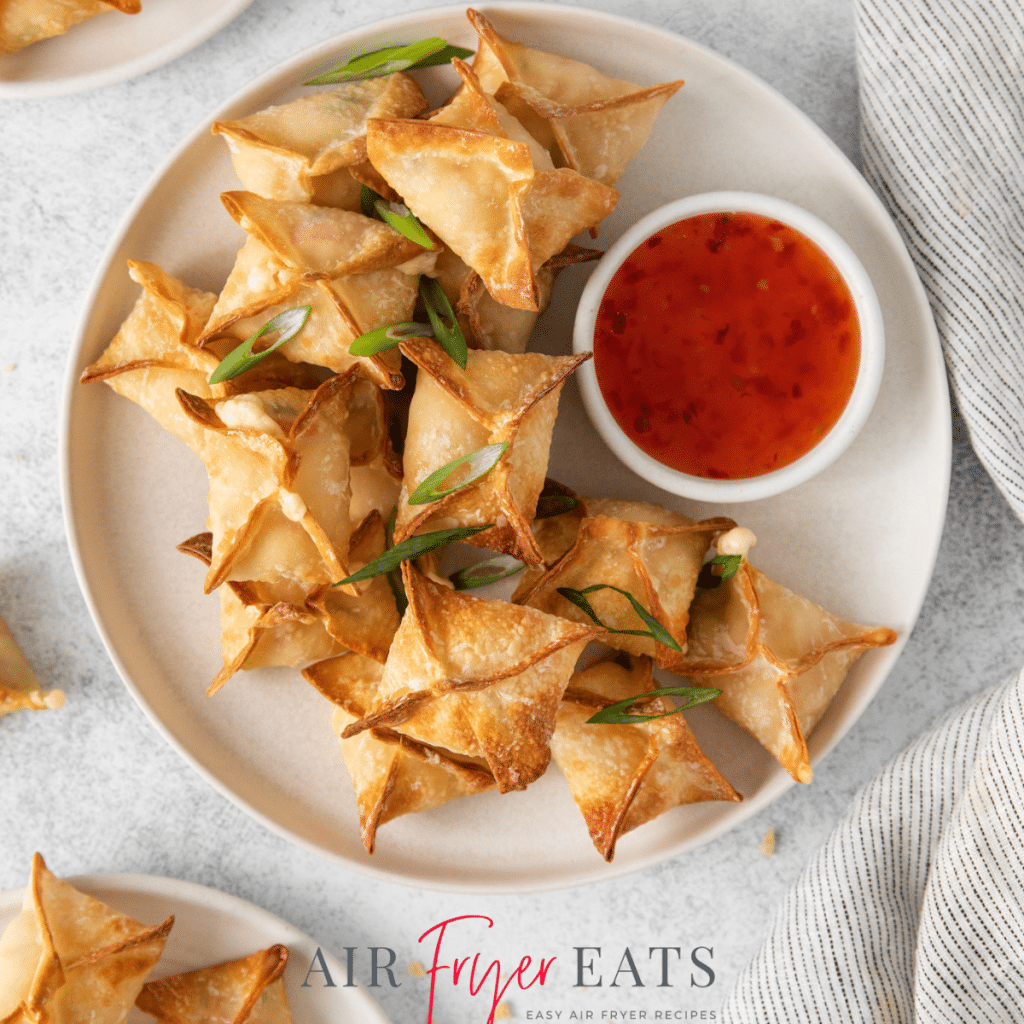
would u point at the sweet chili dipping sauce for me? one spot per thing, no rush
(727, 345)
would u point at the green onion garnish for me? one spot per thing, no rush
(657, 631)
(491, 570)
(377, 63)
(439, 310)
(478, 463)
(615, 714)
(395, 215)
(385, 338)
(411, 547)
(708, 579)
(238, 360)
(395, 577)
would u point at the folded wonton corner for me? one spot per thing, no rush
(622, 776)
(500, 397)
(653, 553)
(19, 687)
(251, 990)
(778, 657)
(69, 958)
(479, 678)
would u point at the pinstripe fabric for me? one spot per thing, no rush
(914, 908)
(942, 141)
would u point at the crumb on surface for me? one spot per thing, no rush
(416, 969)
(503, 1012)
(768, 843)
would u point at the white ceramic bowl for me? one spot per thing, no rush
(853, 417)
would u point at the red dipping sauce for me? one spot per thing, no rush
(727, 345)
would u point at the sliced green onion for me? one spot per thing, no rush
(395, 215)
(238, 360)
(708, 579)
(500, 567)
(657, 631)
(549, 505)
(400, 217)
(377, 63)
(411, 547)
(385, 338)
(478, 463)
(615, 714)
(395, 577)
(439, 310)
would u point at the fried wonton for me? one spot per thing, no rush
(283, 151)
(779, 658)
(592, 123)
(319, 242)
(651, 552)
(499, 398)
(369, 282)
(622, 776)
(23, 22)
(467, 186)
(392, 774)
(279, 491)
(282, 623)
(156, 351)
(476, 677)
(69, 959)
(19, 687)
(477, 188)
(247, 991)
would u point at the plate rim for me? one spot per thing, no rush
(779, 783)
(225, 12)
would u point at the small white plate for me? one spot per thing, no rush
(113, 47)
(860, 538)
(211, 927)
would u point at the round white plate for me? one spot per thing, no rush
(211, 927)
(113, 47)
(860, 538)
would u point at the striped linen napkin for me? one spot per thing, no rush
(914, 909)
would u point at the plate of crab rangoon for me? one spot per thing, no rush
(352, 542)
(136, 948)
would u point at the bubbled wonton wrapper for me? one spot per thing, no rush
(279, 152)
(19, 687)
(156, 350)
(248, 990)
(278, 463)
(23, 22)
(778, 658)
(480, 678)
(69, 959)
(622, 776)
(498, 398)
(651, 552)
(593, 123)
(392, 774)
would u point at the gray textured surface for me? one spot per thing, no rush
(96, 789)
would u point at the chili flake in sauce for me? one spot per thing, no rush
(727, 345)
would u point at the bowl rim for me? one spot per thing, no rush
(844, 430)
